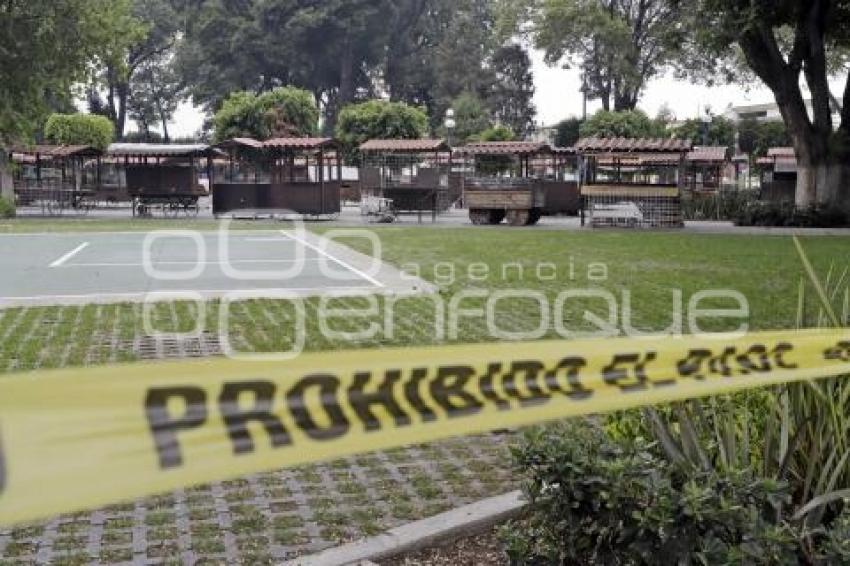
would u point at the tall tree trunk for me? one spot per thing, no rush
(123, 91)
(164, 119)
(346, 83)
(7, 186)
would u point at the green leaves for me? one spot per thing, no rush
(282, 112)
(47, 46)
(379, 119)
(628, 124)
(79, 129)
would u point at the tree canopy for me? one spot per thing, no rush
(619, 45)
(47, 48)
(627, 124)
(784, 44)
(79, 129)
(717, 130)
(282, 112)
(380, 119)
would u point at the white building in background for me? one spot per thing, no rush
(770, 112)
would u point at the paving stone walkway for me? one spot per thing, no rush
(267, 518)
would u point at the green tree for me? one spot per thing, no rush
(619, 45)
(379, 119)
(568, 132)
(717, 131)
(786, 44)
(47, 47)
(627, 124)
(282, 112)
(471, 116)
(756, 137)
(149, 35)
(155, 96)
(330, 48)
(495, 134)
(79, 129)
(511, 97)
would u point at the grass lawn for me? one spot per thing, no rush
(265, 518)
(646, 266)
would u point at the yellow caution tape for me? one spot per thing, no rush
(81, 438)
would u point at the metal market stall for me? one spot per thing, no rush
(164, 178)
(632, 182)
(278, 177)
(56, 179)
(409, 176)
(778, 175)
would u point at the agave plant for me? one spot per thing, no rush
(797, 434)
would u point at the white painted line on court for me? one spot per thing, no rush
(212, 294)
(69, 255)
(187, 262)
(266, 240)
(338, 261)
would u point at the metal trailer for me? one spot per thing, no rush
(164, 178)
(632, 182)
(410, 176)
(519, 182)
(279, 177)
(58, 179)
(778, 175)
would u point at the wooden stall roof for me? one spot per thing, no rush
(300, 143)
(564, 150)
(709, 154)
(506, 148)
(637, 159)
(782, 159)
(53, 151)
(782, 152)
(405, 146)
(241, 142)
(631, 145)
(158, 150)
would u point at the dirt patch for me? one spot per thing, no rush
(479, 550)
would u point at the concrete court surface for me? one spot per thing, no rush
(82, 268)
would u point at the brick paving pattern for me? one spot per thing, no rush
(258, 519)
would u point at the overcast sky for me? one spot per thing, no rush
(558, 97)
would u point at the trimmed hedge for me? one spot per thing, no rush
(80, 129)
(7, 208)
(789, 215)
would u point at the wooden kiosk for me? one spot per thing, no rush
(414, 176)
(164, 177)
(278, 177)
(56, 178)
(778, 175)
(632, 182)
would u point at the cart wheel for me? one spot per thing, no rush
(518, 217)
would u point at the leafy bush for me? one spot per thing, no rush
(761, 477)
(595, 500)
(495, 134)
(379, 119)
(7, 208)
(629, 124)
(759, 213)
(80, 129)
(721, 206)
(282, 112)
